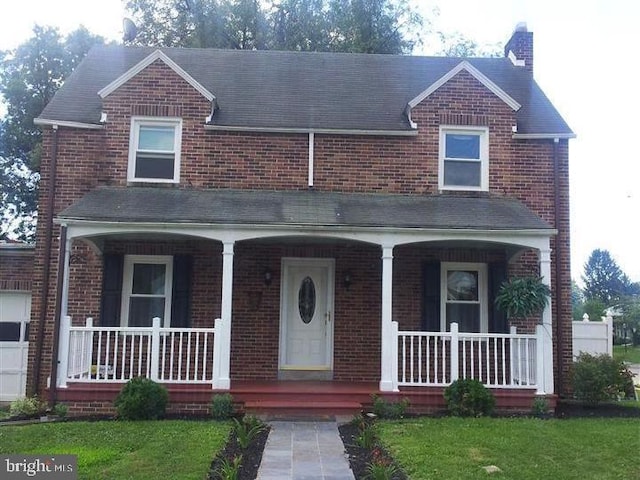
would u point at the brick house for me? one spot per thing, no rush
(311, 227)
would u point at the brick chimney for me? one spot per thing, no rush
(519, 48)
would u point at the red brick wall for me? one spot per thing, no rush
(214, 159)
(16, 269)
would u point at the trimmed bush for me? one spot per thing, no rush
(389, 410)
(222, 406)
(469, 398)
(600, 378)
(27, 407)
(141, 399)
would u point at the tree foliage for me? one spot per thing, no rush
(604, 280)
(29, 77)
(365, 26)
(458, 45)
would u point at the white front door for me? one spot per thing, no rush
(306, 318)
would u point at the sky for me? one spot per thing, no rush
(583, 59)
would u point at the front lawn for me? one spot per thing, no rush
(173, 449)
(629, 354)
(523, 448)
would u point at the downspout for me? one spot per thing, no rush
(44, 303)
(62, 256)
(558, 269)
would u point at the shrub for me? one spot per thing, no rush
(390, 410)
(222, 406)
(141, 399)
(540, 407)
(246, 430)
(368, 437)
(27, 407)
(230, 470)
(599, 378)
(469, 398)
(60, 409)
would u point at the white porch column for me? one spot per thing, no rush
(224, 380)
(547, 328)
(388, 377)
(63, 343)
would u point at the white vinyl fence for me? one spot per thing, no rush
(594, 338)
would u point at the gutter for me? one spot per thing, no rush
(44, 302)
(62, 252)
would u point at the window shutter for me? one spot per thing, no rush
(111, 304)
(431, 297)
(181, 292)
(497, 318)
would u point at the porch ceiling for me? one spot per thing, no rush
(303, 208)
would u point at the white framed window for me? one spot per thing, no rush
(464, 297)
(154, 150)
(146, 290)
(464, 158)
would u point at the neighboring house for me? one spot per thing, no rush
(336, 213)
(16, 272)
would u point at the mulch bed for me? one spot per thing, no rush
(251, 456)
(360, 458)
(575, 409)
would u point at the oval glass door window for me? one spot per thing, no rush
(307, 300)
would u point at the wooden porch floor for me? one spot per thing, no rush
(291, 398)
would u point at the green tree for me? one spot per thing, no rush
(374, 26)
(604, 280)
(458, 45)
(29, 77)
(300, 25)
(365, 26)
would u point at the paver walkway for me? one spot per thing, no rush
(304, 451)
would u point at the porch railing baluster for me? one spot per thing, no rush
(116, 354)
(499, 360)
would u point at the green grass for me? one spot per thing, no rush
(629, 354)
(523, 448)
(178, 450)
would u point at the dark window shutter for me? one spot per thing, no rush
(431, 297)
(497, 318)
(111, 290)
(181, 292)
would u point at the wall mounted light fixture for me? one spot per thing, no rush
(268, 276)
(347, 280)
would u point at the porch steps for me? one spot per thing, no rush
(303, 398)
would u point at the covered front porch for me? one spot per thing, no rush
(319, 305)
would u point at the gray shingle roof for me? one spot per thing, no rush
(301, 208)
(274, 89)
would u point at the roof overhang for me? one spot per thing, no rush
(543, 136)
(328, 131)
(232, 215)
(63, 123)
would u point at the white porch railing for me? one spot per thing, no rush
(439, 358)
(118, 354)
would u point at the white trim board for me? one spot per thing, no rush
(140, 66)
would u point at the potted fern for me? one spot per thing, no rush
(523, 297)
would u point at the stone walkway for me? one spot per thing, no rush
(304, 451)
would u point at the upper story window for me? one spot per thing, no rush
(464, 297)
(464, 158)
(154, 150)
